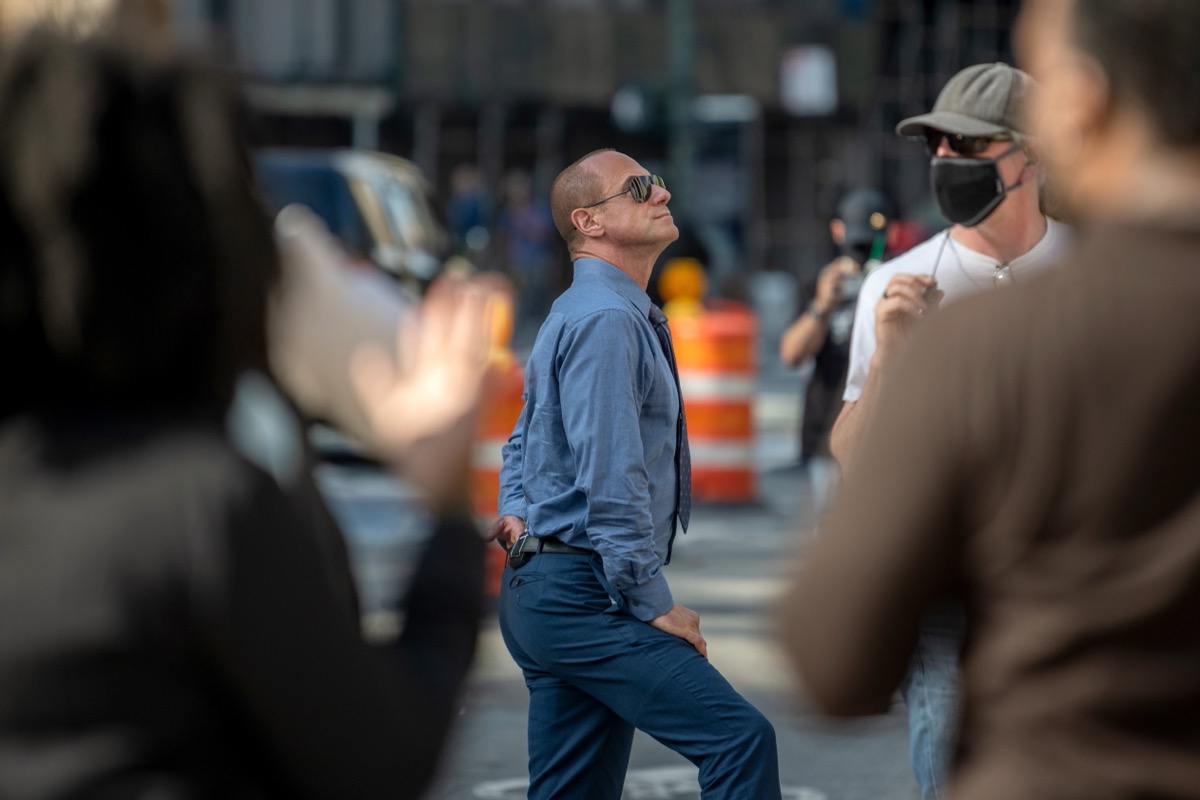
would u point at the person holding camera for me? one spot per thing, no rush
(822, 330)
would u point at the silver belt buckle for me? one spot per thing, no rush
(516, 557)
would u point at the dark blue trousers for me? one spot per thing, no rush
(595, 673)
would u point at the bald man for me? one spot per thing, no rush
(595, 485)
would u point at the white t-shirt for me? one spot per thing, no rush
(960, 271)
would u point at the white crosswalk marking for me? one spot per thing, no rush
(654, 783)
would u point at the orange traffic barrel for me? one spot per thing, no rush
(498, 414)
(716, 353)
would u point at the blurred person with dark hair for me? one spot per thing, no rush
(468, 211)
(985, 176)
(525, 231)
(320, 311)
(1034, 452)
(317, 312)
(595, 484)
(175, 626)
(860, 231)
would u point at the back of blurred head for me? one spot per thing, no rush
(135, 259)
(1121, 83)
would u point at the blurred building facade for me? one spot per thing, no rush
(758, 112)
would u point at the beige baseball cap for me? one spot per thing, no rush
(981, 100)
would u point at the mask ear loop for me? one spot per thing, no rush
(1017, 145)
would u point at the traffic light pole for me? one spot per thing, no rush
(681, 135)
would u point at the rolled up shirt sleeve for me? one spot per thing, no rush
(512, 491)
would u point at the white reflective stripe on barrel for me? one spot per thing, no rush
(487, 455)
(720, 454)
(716, 385)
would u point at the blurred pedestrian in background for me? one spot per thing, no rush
(828, 300)
(176, 625)
(985, 176)
(595, 484)
(1034, 452)
(468, 212)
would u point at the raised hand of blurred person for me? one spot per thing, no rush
(324, 310)
(422, 404)
(829, 285)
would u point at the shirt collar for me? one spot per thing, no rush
(1038, 255)
(598, 271)
(1041, 253)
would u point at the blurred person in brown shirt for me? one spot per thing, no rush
(1040, 456)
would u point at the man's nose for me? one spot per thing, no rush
(943, 148)
(659, 194)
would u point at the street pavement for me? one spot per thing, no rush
(730, 567)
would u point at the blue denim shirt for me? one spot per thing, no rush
(591, 460)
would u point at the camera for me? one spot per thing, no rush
(851, 283)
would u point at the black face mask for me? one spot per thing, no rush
(859, 251)
(968, 190)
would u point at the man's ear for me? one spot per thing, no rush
(1090, 95)
(586, 223)
(1085, 110)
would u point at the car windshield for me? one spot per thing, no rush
(322, 189)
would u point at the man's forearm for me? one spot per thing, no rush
(903, 303)
(511, 499)
(803, 339)
(846, 435)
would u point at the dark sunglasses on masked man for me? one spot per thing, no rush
(963, 145)
(639, 188)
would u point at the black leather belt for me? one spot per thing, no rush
(526, 546)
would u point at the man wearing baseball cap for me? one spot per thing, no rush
(985, 176)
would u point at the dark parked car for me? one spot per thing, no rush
(379, 205)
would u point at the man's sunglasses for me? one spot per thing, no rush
(639, 187)
(963, 145)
